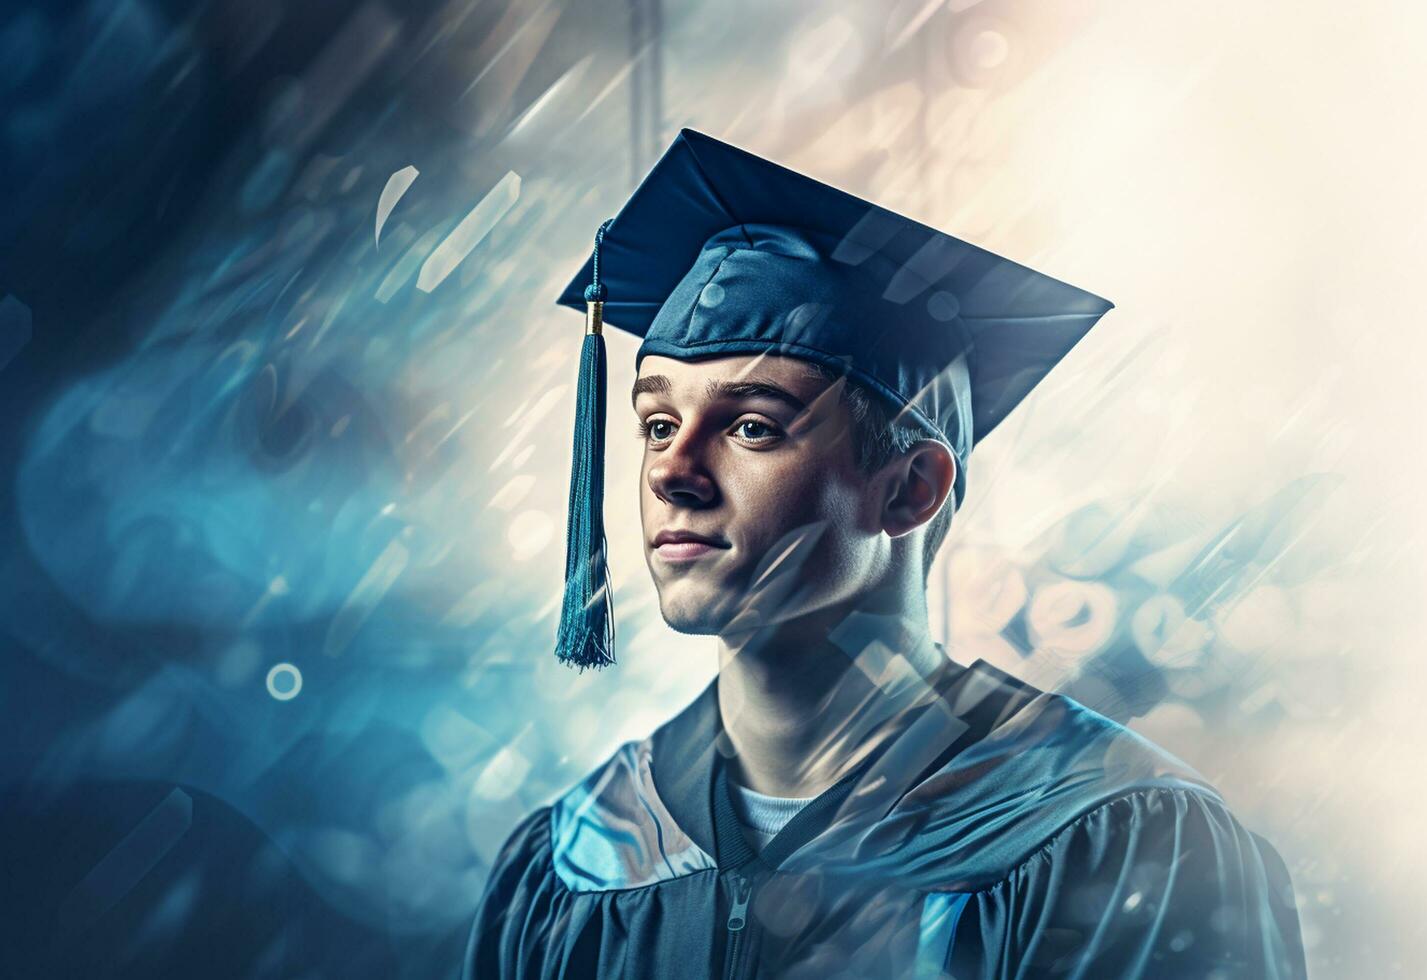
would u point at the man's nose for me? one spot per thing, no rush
(680, 477)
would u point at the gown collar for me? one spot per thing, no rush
(690, 776)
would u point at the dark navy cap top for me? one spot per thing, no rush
(721, 252)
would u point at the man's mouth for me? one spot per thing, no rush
(681, 546)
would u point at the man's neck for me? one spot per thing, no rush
(804, 702)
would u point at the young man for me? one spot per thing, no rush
(844, 800)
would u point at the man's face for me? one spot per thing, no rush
(753, 507)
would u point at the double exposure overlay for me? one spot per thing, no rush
(287, 399)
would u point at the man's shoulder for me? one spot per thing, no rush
(1049, 747)
(620, 793)
(1045, 765)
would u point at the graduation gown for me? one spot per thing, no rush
(1006, 832)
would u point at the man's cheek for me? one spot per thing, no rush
(790, 486)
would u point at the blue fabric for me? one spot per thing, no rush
(940, 913)
(612, 831)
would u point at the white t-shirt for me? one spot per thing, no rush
(760, 816)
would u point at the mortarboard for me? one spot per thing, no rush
(720, 252)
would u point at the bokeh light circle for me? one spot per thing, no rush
(988, 49)
(284, 681)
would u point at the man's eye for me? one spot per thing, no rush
(660, 430)
(756, 431)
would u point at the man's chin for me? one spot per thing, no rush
(693, 615)
(722, 615)
(692, 627)
(692, 624)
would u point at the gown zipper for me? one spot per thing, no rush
(737, 921)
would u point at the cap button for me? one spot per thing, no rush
(943, 306)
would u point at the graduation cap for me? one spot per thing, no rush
(720, 252)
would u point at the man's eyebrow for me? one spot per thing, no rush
(655, 384)
(658, 384)
(754, 388)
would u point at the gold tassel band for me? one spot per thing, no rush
(594, 316)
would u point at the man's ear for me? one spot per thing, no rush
(921, 481)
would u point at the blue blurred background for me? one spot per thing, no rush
(286, 408)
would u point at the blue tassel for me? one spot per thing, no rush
(586, 636)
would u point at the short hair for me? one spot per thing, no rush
(879, 437)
